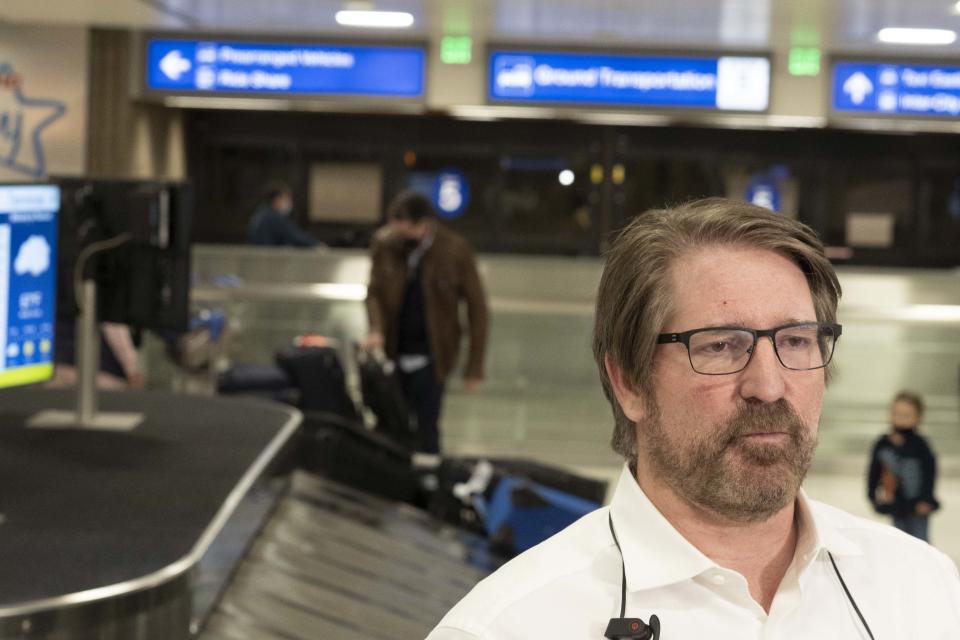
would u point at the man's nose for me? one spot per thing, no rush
(763, 379)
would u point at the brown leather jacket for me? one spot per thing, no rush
(449, 275)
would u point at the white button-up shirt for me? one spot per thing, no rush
(569, 586)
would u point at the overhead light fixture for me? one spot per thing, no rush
(375, 19)
(956, 7)
(899, 35)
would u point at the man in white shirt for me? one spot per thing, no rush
(715, 326)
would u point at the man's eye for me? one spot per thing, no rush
(795, 342)
(726, 346)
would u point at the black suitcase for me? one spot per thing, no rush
(318, 374)
(446, 506)
(348, 452)
(383, 395)
(264, 381)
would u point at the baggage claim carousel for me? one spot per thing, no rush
(194, 524)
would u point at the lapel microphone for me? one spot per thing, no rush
(628, 628)
(633, 629)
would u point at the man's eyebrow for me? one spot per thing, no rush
(795, 320)
(731, 324)
(735, 324)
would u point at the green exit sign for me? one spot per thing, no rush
(804, 61)
(456, 49)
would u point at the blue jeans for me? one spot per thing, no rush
(914, 525)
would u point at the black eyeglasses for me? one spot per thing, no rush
(717, 351)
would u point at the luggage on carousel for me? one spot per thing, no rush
(516, 503)
(264, 381)
(459, 498)
(317, 372)
(554, 477)
(383, 395)
(520, 513)
(346, 451)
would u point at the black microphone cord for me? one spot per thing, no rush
(623, 568)
(624, 628)
(849, 596)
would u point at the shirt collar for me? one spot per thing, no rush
(818, 533)
(655, 554)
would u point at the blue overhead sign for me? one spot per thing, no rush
(738, 83)
(898, 89)
(451, 194)
(448, 190)
(243, 67)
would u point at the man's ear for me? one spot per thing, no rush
(631, 402)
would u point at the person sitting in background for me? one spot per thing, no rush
(271, 224)
(903, 469)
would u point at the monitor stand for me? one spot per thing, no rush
(86, 415)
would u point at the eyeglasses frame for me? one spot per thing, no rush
(683, 338)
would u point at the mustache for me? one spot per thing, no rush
(765, 417)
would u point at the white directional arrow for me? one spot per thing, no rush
(858, 87)
(174, 65)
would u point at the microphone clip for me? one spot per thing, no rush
(633, 629)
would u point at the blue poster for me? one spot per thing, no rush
(276, 68)
(28, 268)
(727, 82)
(896, 89)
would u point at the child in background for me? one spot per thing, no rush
(903, 469)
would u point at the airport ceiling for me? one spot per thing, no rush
(848, 26)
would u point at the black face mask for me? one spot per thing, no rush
(904, 430)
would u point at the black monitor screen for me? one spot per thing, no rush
(144, 281)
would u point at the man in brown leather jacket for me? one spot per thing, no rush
(421, 271)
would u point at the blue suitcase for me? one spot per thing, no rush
(516, 503)
(520, 514)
